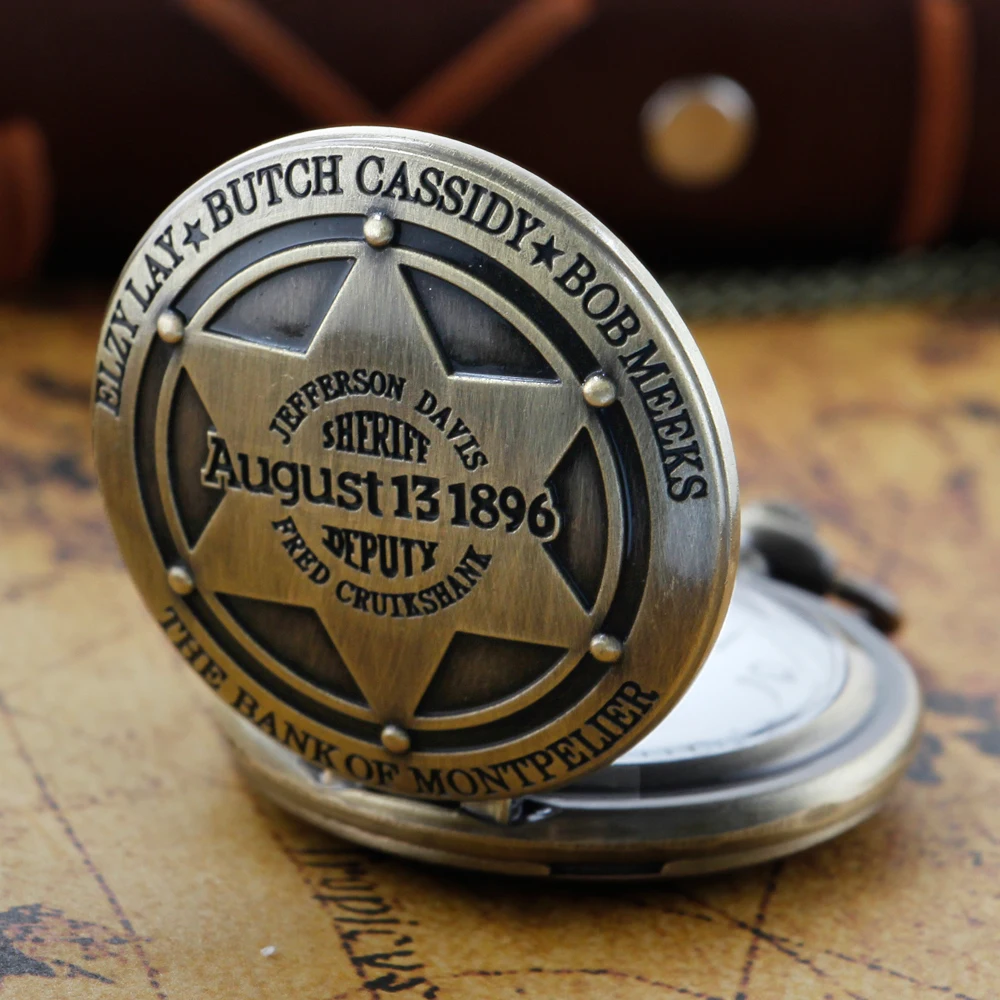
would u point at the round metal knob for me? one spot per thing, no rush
(698, 131)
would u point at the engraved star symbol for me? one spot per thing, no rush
(372, 323)
(546, 253)
(193, 235)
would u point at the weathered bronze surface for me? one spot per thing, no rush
(415, 464)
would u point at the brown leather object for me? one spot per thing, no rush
(25, 199)
(875, 126)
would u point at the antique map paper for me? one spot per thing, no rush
(135, 863)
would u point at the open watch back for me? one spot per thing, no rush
(420, 471)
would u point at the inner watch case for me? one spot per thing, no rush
(799, 725)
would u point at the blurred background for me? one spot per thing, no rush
(814, 181)
(759, 155)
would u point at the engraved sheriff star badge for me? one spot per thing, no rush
(367, 459)
(414, 464)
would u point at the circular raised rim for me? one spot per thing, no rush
(693, 591)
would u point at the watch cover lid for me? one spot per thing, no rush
(415, 464)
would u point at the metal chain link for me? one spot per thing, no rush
(948, 275)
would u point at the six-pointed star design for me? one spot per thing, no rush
(524, 427)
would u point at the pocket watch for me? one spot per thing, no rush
(418, 468)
